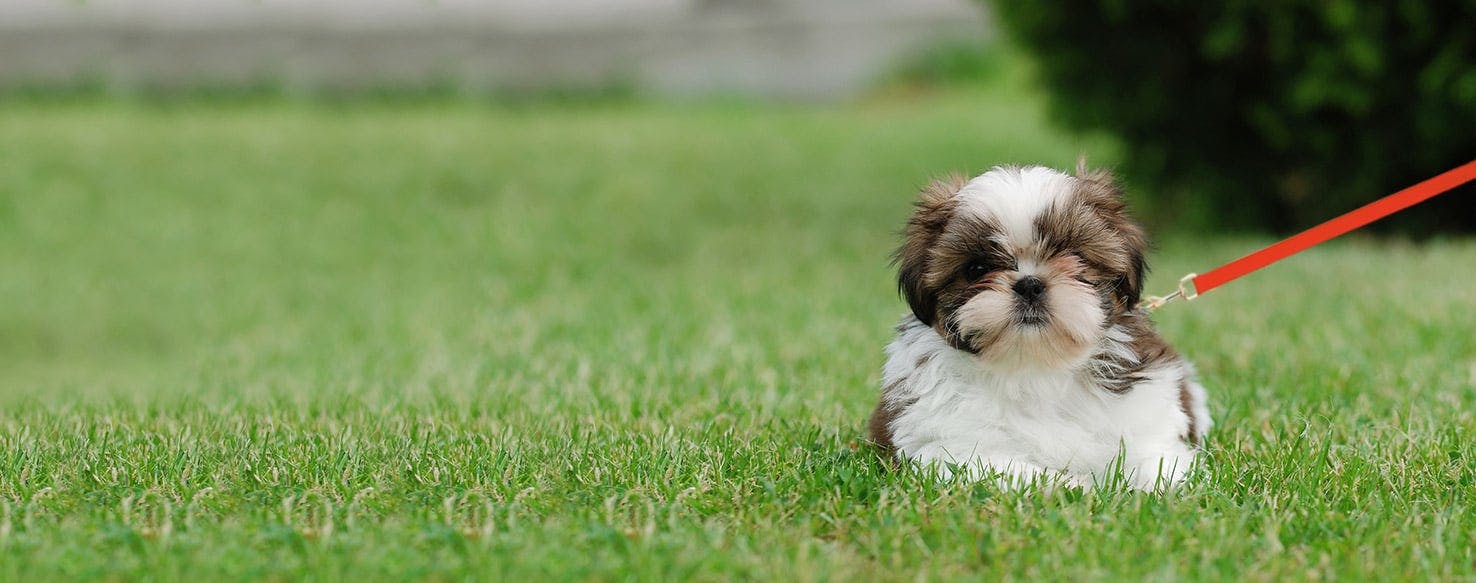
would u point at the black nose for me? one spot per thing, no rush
(1030, 288)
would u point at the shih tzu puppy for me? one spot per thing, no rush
(1026, 357)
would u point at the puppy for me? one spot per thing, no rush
(1026, 358)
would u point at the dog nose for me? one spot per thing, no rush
(1030, 288)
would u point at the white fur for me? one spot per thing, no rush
(1027, 406)
(1013, 198)
(959, 416)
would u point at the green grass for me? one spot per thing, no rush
(450, 341)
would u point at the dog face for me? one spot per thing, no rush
(1026, 268)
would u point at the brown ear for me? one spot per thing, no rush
(931, 213)
(1130, 285)
(1099, 189)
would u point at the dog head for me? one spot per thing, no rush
(1025, 267)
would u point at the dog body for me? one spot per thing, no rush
(942, 407)
(1026, 356)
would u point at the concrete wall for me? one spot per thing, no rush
(791, 48)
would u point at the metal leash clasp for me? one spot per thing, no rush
(1186, 290)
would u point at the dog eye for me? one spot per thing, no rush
(977, 269)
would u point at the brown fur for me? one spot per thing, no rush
(1186, 404)
(939, 244)
(879, 427)
(1086, 238)
(1149, 348)
(966, 240)
(930, 216)
(1094, 224)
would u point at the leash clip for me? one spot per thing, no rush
(1186, 290)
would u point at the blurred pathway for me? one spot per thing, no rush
(790, 48)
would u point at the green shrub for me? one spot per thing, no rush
(1248, 114)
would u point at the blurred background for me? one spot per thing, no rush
(1235, 117)
(265, 187)
(820, 50)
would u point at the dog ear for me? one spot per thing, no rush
(1099, 186)
(1100, 189)
(930, 215)
(1130, 285)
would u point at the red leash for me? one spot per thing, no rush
(1319, 234)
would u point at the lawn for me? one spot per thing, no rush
(446, 340)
